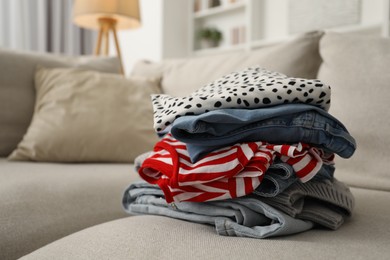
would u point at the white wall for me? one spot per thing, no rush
(276, 16)
(176, 39)
(159, 37)
(372, 11)
(144, 42)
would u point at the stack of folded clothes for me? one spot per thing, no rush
(251, 153)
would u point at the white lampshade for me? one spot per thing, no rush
(86, 13)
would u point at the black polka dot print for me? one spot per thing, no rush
(251, 88)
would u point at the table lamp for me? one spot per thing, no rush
(107, 16)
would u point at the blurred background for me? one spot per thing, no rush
(182, 28)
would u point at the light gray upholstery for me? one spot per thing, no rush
(42, 202)
(365, 236)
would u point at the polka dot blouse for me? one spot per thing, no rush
(251, 88)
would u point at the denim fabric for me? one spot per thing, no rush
(277, 178)
(325, 173)
(289, 123)
(243, 217)
(280, 176)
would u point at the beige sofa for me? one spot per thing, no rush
(73, 211)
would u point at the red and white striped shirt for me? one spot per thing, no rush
(229, 172)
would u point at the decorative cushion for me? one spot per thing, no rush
(357, 69)
(298, 57)
(17, 95)
(88, 116)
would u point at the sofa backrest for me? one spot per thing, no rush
(358, 70)
(297, 58)
(17, 94)
(355, 66)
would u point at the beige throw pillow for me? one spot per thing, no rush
(298, 57)
(357, 68)
(17, 95)
(88, 116)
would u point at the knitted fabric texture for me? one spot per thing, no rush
(250, 88)
(325, 202)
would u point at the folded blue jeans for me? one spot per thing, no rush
(288, 123)
(281, 176)
(242, 217)
(278, 177)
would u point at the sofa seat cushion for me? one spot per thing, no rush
(364, 236)
(42, 202)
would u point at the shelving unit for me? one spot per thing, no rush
(264, 22)
(243, 24)
(222, 9)
(230, 18)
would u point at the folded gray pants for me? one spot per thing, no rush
(243, 217)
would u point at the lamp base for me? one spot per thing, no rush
(108, 24)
